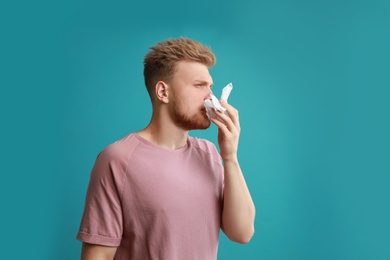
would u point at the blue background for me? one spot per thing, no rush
(311, 83)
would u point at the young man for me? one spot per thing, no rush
(159, 193)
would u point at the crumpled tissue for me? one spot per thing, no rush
(213, 103)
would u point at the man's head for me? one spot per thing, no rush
(160, 63)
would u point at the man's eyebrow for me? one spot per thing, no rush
(203, 82)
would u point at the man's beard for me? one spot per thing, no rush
(190, 122)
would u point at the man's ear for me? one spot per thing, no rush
(162, 91)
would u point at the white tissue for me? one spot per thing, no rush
(213, 102)
(226, 91)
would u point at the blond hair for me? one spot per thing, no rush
(159, 63)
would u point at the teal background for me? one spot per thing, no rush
(311, 83)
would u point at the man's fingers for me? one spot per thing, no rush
(222, 126)
(226, 120)
(233, 113)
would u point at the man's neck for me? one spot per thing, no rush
(164, 134)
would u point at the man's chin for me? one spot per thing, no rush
(199, 126)
(195, 123)
(204, 126)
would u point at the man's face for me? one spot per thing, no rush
(191, 86)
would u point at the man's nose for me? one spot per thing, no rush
(208, 93)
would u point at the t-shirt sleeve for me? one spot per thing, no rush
(102, 220)
(219, 168)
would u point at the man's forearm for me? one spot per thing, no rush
(238, 211)
(97, 252)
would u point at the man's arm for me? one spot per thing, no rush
(97, 252)
(238, 209)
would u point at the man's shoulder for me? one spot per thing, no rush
(204, 146)
(120, 148)
(200, 142)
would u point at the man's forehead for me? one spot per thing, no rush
(194, 71)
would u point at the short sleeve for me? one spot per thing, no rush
(219, 170)
(102, 221)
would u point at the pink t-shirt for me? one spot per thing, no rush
(155, 203)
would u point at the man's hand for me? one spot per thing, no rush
(228, 132)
